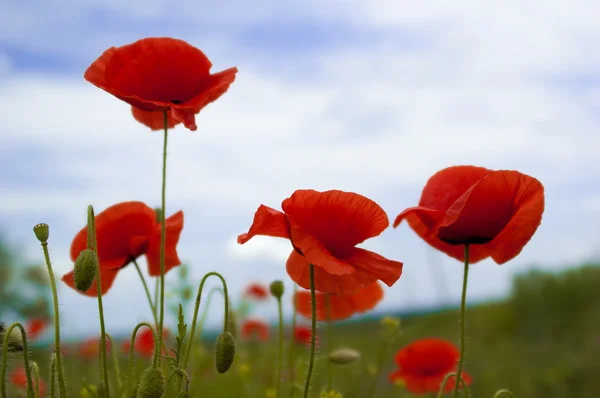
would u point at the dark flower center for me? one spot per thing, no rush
(176, 102)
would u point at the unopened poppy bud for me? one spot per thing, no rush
(15, 340)
(224, 352)
(344, 356)
(85, 269)
(276, 288)
(152, 383)
(42, 232)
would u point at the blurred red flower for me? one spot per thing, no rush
(18, 378)
(341, 306)
(303, 334)
(90, 349)
(160, 73)
(257, 291)
(324, 228)
(255, 329)
(144, 343)
(425, 363)
(495, 212)
(35, 327)
(124, 232)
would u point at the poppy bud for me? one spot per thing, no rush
(276, 288)
(152, 383)
(224, 352)
(85, 269)
(15, 340)
(344, 356)
(42, 232)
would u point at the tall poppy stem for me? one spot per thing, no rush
(280, 356)
(62, 388)
(92, 244)
(311, 361)
(36, 376)
(329, 342)
(157, 357)
(463, 304)
(5, 345)
(53, 376)
(292, 355)
(139, 271)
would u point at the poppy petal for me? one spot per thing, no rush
(340, 306)
(529, 204)
(155, 120)
(217, 85)
(368, 297)
(388, 271)
(107, 277)
(339, 220)
(173, 228)
(267, 222)
(423, 222)
(298, 268)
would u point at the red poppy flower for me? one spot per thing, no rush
(257, 291)
(324, 228)
(303, 334)
(153, 120)
(253, 328)
(35, 327)
(18, 379)
(495, 212)
(124, 232)
(144, 343)
(341, 306)
(158, 74)
(425, 363)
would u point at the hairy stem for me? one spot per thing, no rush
(5, 345)
(132, 347)
(311, 362)
(463, 304)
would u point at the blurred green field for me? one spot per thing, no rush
(543, 341)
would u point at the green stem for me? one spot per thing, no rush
(116, 366)
(156, 291)
(329, 342)
(5, 344)
(443, 385)
(36, 373)
(197, 306)
(62, 388)
(311, 362)
(280, 357)
(463, 303)
(93, 245)
(158, 357)
(380, 357)
(139, 271)
(502, 392)
(131, 350)
(292, 355)
(206, 308)
(53, 376)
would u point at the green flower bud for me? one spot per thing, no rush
(152, 383)
(15, 340)
(232, 323)
(344, 356)
(276, 288)
(85, 269)
(42, 232)
(224, 352)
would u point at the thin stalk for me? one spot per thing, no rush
(156, 291)
(329, 342)
(197, 306)
(463, 304)
(280, 356)
(62, 388)
(132, 346)
(5, 344)
(116, 366)
(158, 357)
(148, 296)
(206, 308)
(292, 354)
(53, 376)
(311, 362)
(36, 376)
(462, 381)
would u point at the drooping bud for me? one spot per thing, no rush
(276, 288)
(42, 232)
(85, 269)
(344, 356)
(15, 340)
(152, 383)
(224, 352)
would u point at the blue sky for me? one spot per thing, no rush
(371, 96)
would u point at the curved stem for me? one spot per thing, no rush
(53, 376)
(504, 391)
(139, 271)
(197, 306)
(280, 356)
(463, 303)
(5, 344)
(292, 354)
(313, 336)
(62, 388)
(443, 385)
(36, 375)
(92, 244)
(132, 346)
(158, 357)
(206, 308)
(116, 366)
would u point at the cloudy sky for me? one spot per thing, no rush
(371, 96)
